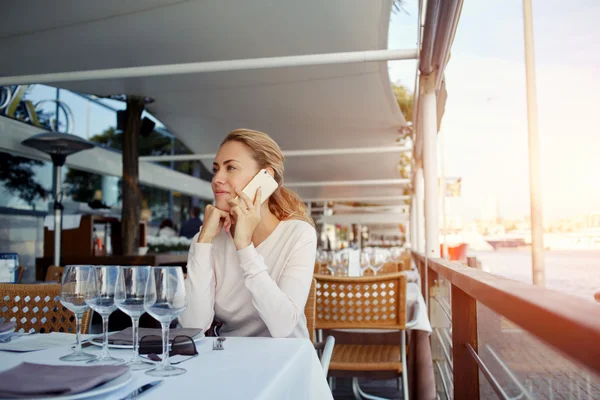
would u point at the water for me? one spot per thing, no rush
(573, 272)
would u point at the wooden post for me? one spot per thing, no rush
(464, 331)
(132, 199)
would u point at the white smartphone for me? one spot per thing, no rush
(262, 180)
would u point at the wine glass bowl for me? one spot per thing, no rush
(100, 296)
(73, 288)
(129, 298)
(165, 299)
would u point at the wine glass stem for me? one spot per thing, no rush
(135, 323)
(104, 337)
(78, 348)
(165, 335)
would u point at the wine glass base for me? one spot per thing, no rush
(106, 361)
(139, 365)
(168, 371)
(75, 356)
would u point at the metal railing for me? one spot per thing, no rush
(564, 323)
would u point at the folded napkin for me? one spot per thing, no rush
(28, 380)
(7, 326)
(125, 337)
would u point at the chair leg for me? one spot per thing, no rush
(404, 366)
(359, 394)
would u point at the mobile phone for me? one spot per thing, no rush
(262, 180)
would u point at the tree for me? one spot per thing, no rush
(19, 178)
(404, 97)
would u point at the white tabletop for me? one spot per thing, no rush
(248, 368)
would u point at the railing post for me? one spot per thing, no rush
(464, 331)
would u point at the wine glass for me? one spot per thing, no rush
(377, 258)
(364, 262)
(322, 260)
(100, 296)
(164, 300)
(331, 262)
(396, 253)
(344, 262)
(129, 298)
(72, 295)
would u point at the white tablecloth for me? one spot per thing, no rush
(248, 368)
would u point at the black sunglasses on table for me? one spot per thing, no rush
(180, 345)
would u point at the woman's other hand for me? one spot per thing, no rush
(247, 216)
(214, 221)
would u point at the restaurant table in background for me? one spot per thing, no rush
(179, 259)
(248, 368)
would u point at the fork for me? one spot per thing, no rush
(218, 344)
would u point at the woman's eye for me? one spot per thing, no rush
(230, 167)
(214, 170)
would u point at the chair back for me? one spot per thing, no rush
(54, 274)
(309, 310)
(37, 308)
(367, 302)
(20, 272)
(388, 268)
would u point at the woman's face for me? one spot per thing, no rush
(233, 167)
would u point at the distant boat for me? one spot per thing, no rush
(506, 242)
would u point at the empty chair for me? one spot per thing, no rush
(37, 308)
(54, 274)
(325, 349)
(369, 302)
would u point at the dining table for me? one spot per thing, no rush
(247, 368)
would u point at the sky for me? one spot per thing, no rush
(485, 122)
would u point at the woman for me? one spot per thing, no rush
(250, 267)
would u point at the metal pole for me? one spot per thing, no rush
(535, 186)
(172, 166)
(443, 194)
(420, 193)
(57, 109)
(290, 153)
(429, 133)
(216, 66)
(414, 233)
(58, 208)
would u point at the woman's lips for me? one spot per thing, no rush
(221, 193)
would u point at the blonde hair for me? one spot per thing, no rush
(283, 203)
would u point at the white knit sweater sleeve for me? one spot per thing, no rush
(280, 304)
(200, 287)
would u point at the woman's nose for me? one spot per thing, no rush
(219, 177)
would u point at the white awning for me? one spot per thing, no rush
(317, 107)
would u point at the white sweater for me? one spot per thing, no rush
(258, 291)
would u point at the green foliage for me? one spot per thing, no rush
(404, 97)
(19, 178)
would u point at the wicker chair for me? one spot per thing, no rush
(20, 272)
(369, 302)
(37, 308)
(325, 349)
(388, 268)
(54, 274)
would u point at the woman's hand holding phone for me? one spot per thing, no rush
(247, 216)
(214, 220)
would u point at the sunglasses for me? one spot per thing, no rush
(182, 345)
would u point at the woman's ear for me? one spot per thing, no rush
(271, 171)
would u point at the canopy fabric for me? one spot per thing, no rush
(318, 107)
